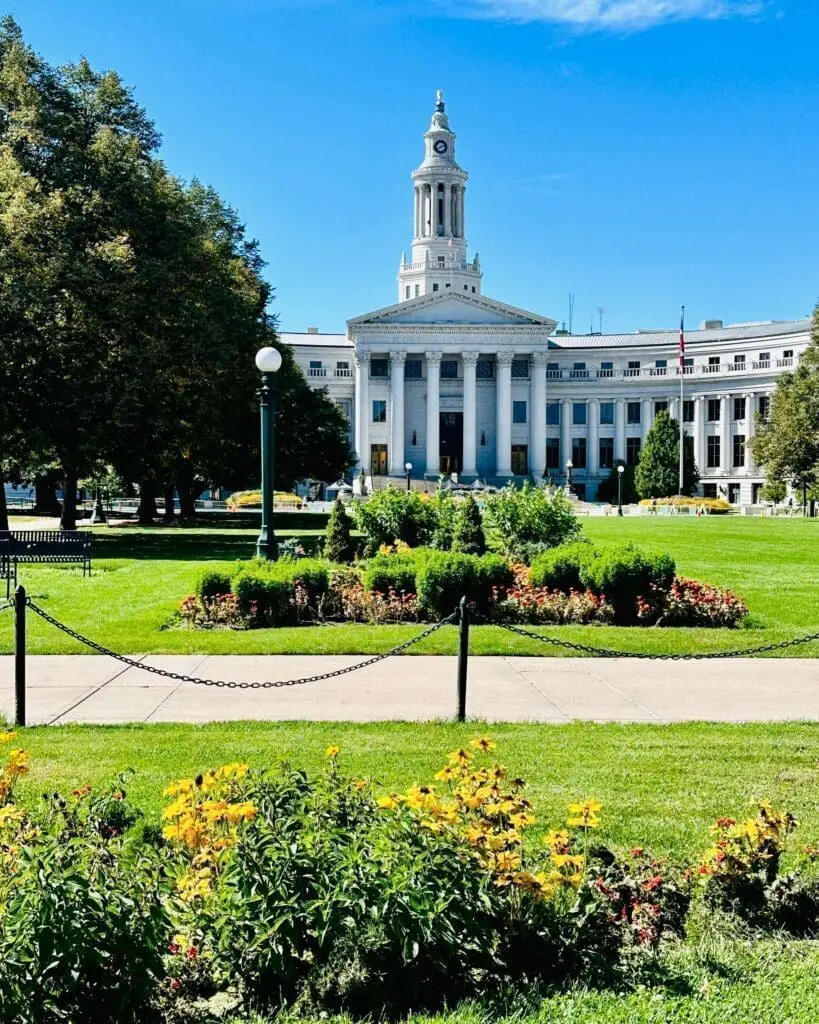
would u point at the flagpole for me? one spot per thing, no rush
(682, 398)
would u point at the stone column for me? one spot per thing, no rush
(674, 410)
(699, 433)
(447, 194)
(433, 413)
(397, 412)
(503, 432)
(619, 431)
(470, 360)
(646, 418)
(593, 417)
(565, 433)
(750, 427)
(362, 410)
(726, 451)
(433, 209)
(537, 416)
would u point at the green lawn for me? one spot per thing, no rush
(661, 787)
(140, 576)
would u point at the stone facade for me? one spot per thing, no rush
(450, 380)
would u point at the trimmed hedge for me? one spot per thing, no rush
(444, 579)
(625, 573)
(560, 568)
(270, 586)
(391, 571)
(212, 582)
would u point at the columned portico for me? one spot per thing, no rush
(504, 414)
(362, 410)
(470, 360)
(397, 358)
(433, 413)
(594, 425)
(537, 417)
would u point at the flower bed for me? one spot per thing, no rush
(264, 891)
(714, 506)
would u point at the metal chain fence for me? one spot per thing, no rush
(606, 652)
(232, 684)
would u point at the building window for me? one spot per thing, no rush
(578, 371)
(607, 413)
(661, 405)
(633, 368)
(520, 368)
(579, 414)
(379, 367)
(553, 414)
(449, 369)
(417, 290)
(435, 286)
(607, 453)
(553, 371)
(739, 450)
(346, 406)
(553, 453)
(709, 490)
(412, 369)
(733, 494)
(379, 411)
(764, 357)
(756, 493)
(739, 362)
(518, 412)
(378, 459)
(579, 452)
(473, 289)
(712, 460)
(520, 459)
(485, 369)
(739, 408)
(660, 368)
(315, 364)
(606, 370)
(633, 412)
(788, 353)
(448, 284)
(713, 410)
(764, 406)
(407, 292)
(442, 261)
(342, 364)
(688, 365)
(633, 445)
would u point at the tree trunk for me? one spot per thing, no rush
(186, 490)
(68, 516)
(169, 515)
(147, 512)
(4, 512)
(45, 496)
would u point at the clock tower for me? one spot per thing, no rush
(439, 260)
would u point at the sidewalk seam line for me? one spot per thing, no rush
(625, 696)
(93, 693)
(522, 673)
(176, 689)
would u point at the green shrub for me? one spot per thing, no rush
(396, 572)
(559, 569)
(491, 572)
(468, 537)
(270, 588)
(391, 515)
(338, 543)
(444, 579)
(212, 582)
(518, 519)
(625, 573)
(443, 510)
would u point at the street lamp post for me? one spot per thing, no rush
(408, 468)
(268, 361)
(620, 470)
(569, 468)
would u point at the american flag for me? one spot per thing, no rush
(682, 341)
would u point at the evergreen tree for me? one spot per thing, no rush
(658, 471)
(787, 444)
(609, 489)
(338, 544)
(468, 536)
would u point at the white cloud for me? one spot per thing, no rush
(610, 14)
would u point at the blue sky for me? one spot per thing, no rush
(640, 153)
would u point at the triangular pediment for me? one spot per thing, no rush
(452, 308)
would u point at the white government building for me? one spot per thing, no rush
(452, 381)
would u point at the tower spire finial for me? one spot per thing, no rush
(439, 101)
(439, 118)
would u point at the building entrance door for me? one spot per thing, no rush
(520, 459)
(378, 459)
(452, 442)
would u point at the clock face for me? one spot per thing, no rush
(440, 147)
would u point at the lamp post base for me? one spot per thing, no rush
(266, 547)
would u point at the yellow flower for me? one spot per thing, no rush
(483, 743)
(585, 813)
(332, 751)
(240, 812)
(17, 763)
(459, 758)
(522, 819)
(178, 788)
(10, 816)
(445, 775)
(359, 784)
(506, 862)
(7, 737)
(388, 803)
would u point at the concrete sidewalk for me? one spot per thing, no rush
(87, 688)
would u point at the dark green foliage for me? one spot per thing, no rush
(442, 580)
(391, 572)
(338, 543)
(559, 569)
(520, 521)
(607, 489)
(623, 574)
(468, 536)
(392, 514)
(212, 582)
(267, 590)
(658, 471)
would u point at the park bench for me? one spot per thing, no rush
(42, 547)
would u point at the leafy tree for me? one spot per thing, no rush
(608, 489)
(787, 444)
(658, 471)
(468, 535)
(773, 490)
(338, 544)
(521, 522)
(392, 514)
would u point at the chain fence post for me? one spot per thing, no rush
(463, 656)
(20, 655)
